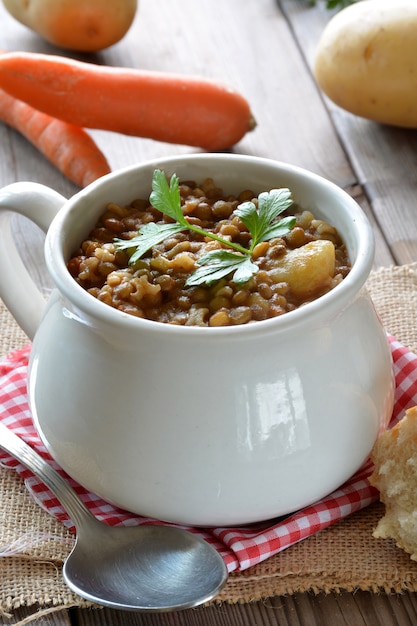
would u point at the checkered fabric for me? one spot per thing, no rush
(240, 547)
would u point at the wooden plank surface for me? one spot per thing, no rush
(264, 48)
(359, 609)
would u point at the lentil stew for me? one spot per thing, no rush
(293, 269)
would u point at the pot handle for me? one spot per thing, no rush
(18, 290)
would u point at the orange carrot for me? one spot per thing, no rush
(68, 147)
(166, 107)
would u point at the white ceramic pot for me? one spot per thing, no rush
(203, 426)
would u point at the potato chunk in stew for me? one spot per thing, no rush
(308, 270)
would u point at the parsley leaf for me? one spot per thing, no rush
(335, 4)
(219, 263)
(166, 198)
(149, 236)
(260, 221)
(339, 4)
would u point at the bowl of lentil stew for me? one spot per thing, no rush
(290, 269)
(205, 423)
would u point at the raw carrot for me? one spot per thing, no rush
(67, 147)
(173, 108)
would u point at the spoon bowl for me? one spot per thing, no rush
(143, 568)
(154, 568)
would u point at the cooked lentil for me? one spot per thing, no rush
(154, 288)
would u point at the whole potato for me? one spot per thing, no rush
(84, 25)
(366, 61)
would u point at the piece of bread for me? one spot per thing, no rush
(395, 476)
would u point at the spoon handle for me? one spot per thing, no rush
(12, 444)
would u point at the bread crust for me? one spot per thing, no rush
(395, 476)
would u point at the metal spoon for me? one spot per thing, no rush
(139, 568)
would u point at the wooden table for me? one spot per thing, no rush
(265, 49)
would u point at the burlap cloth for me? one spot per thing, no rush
(344, 557)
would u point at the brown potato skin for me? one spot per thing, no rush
(82, 25)
(366, 61)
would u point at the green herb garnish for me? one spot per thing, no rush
(335, 4)
(260, 221)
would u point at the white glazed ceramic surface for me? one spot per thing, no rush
(204, 426)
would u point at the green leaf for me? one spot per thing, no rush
(279, 229)
(250, 217)
(149, 235)
(219, 264)
(334, 4)
(166, 198)
(339, 4)
(273, 203)
(260, 221)
(245, 271)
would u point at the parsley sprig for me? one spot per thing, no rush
(335, 4)
(261, 222)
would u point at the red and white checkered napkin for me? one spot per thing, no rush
(240, 547)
